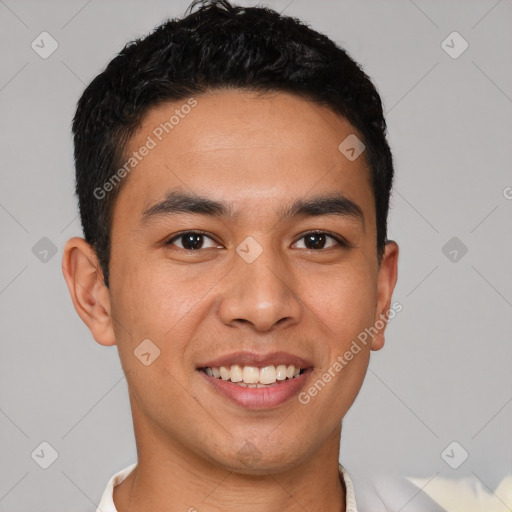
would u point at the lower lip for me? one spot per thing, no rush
(259, 398)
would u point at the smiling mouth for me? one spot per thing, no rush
(253, 376)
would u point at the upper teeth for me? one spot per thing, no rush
(253, 374)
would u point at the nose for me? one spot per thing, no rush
(260, 294)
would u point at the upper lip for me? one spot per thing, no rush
(244, 358)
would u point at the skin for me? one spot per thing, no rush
(260, 154)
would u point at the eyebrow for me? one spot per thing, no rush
(176, 202)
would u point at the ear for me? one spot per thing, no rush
(386, 281)
(90, 296)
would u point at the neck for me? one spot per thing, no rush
(172, 478)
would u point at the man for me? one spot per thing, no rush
(233, 178)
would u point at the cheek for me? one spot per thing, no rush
(142, 292)
(150, 303)
(344, 298)
(153, 301)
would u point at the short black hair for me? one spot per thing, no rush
(217, 46)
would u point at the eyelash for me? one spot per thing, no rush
(337, 238)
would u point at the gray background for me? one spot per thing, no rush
(444, 374)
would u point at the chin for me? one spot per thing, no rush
(250, 459)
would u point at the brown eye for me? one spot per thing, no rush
(320, 240)
(191, 241)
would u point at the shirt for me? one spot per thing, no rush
(107, 499)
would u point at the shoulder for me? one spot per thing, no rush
(435, 494)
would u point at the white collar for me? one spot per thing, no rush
(107, 500)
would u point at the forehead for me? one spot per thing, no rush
(251, 150)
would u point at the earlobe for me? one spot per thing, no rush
(388, 273)
(89, 294)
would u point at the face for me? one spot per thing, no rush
(245, 239)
